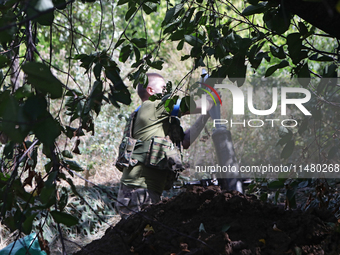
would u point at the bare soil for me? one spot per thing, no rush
(210, 221)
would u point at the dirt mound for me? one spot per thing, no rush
(208, 221)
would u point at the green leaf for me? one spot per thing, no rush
(253, 2)
(113, 101)
(158, 64)
(288, 149)
(51, 180)
(24, 91)
(67, 154)
(47, 195)
(122, 96)
(3, 61)
(139, 42)
(297, 250)
(237, 70)
(187, 104)
(276, 197)
(188, 16)
(7, 35)
(330, 71)
(64, 218)
(8, 150)
(121, 2)
(303, 29)
(97, 71)
(178, 35)
(198, 61)
(294, 46)
(276, 184)
(28, 223)
(73, 188)
(277, 52)
(284, 132)
(35, 108)
(171, 27)
(119, 43)
(114, 75)
(314, 56)
(36, 7)
(254, 49)
(143, 79)
(14, 121)
(233, 42)
(149, 7)
(53, 127)
(130, 12)
(86, 60)
(73, 165)
(273, 68)
(316, 113)
(264, 197)
(137, 56)
(225, 227)
(125, 52)
(256, 60)
(193, 40)
(169, 104)
(63, 198)
(291, 197)
(209, 50)
(253, 9)
(303, 126)
(201, 228)
(278, 20)
(172, 14)
(324, 59)
(60, 4)
(94, 101)
(180, 45)
(48, 166)
(41, 77)
(284, 140)
(304, 76)
(303, 184)
(140, 61)
(183, 58)
(283, 64)
(71, 132)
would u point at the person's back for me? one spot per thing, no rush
(140, 184)
(149, 122)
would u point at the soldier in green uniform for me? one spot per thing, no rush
(149, 168)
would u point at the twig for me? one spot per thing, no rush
(101, 24)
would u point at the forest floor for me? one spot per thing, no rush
(210, 221)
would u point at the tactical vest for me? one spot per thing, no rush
(164, 153)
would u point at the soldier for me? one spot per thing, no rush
(150, 153)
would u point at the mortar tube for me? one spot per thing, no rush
(226, 157)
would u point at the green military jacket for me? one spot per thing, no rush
(150, 121)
